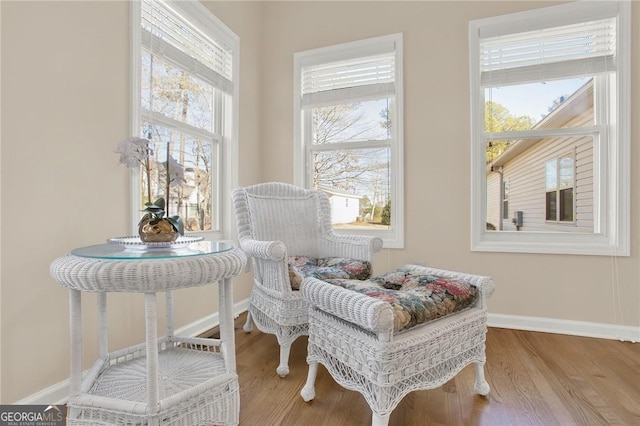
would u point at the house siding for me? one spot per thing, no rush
(526, 176)
(494, 200)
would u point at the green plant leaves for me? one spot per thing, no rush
(176, 222)
(155, 212)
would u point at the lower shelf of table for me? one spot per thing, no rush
(179, 369)
(193, 388)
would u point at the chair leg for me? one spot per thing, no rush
(308, 391)
(283, 368)
(481, 385)
(378, 420)
(248, 325)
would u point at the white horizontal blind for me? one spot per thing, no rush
(356, 79)
(587, 48)
(168, 35)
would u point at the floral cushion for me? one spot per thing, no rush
(402, 279)
(326, 268)
(416, 298)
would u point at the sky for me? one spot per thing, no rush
(533, 99)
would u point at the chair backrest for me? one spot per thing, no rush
(283, 212)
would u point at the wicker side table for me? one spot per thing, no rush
(168, 380)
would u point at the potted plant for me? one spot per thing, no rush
(155, 225)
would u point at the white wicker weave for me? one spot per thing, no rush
(277, 220)
(352, 335)
(169, 381)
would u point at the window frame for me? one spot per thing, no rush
(224, 144)
(302, 151)
(611, 162)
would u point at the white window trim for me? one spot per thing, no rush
(394, 238)
(228, 161)
(612, 234)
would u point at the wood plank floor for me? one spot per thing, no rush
(536, 379)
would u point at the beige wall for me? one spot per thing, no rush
(65, 106)
(436, 76)
(64, 100)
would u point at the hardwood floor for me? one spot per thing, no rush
(536, 379)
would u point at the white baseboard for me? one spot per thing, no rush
(57, 394)
(202, 325)
(560, 326)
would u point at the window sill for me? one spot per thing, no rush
(549, 243)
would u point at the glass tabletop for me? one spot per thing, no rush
(124, 252)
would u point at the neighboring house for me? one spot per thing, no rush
(345, 207)
(550, 181)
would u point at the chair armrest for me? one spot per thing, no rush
(484, 284)
(361, 247)
(270, 250)
(364, 311)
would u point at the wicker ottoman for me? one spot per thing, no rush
(353, 336)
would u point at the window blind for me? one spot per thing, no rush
(583, 49)
(165, 34)
(353, 79)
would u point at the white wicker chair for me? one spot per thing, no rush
(276, 220)
(352, 335)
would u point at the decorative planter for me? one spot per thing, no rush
(155, 230)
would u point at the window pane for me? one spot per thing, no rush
(566, 172)
(495, 148)
(505, 197)
(566, 205)
(190, 185)
(551, 206)
(176, 94)
(539, 105)
(358, 185)
(551, 174)
(353, 122)
(530, 172)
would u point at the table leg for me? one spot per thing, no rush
(151, 323)
(227, 335)
(102, 325)
(169, 305)
(75, 327)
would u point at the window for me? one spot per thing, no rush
(184, 73)
(559, 182)
(505, 199)
(550, 117)
(348, 135)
